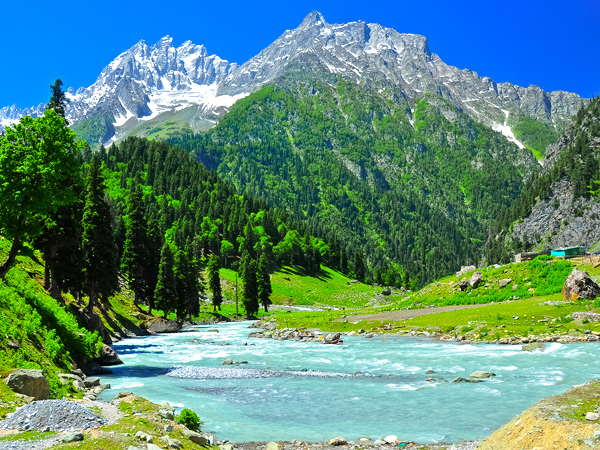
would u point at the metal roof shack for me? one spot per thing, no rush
(569, 251)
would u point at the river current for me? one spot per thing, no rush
(362, 388)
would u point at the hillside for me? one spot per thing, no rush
(559, 206)
(413, 186)
(37, 331)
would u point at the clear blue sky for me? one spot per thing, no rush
(554, 44)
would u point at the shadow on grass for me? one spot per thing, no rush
(301, 271)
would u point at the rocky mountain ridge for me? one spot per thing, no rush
(149, 84)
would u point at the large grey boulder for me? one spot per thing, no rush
(475, 280)
(32, 383)
(196, 438)
(108, 357)
(164, 326)
(580, 285)
(465, 269)
(481, 374)
(463, 285)
(504, 282)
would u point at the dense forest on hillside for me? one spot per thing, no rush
(147, 212)
(411, 188)
(578, 163)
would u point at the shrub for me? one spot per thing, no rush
(189, 419)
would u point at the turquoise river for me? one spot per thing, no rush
(362, 388)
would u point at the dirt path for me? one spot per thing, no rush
(395, 316)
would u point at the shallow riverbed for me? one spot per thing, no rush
(309, 391)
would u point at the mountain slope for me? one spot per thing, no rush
(382, 57)
(414, 191)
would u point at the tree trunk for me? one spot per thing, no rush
(91, 304)
(47, 275)
(54, 290)
(12, 255)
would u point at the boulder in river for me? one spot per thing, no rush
(539, 346)
(32, 383)
(228, 362)
(333, 338)
(482, 374)
(164, 326)
(108, 357)
(580, 285)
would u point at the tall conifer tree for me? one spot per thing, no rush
(264, 282)
(249, 285)
(134, 262)
(214, 281)
(98, 245)
(165, 295)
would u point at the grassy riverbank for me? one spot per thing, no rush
(527, 302)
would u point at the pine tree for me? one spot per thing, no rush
(98, 245)
(58, 100)
(182, 280)
(214, 281)
(249, 285)
(165, 294)
(195, 282)
(135, 259)
(264, 282)
(153, 248)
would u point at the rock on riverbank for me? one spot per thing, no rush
(269, 330)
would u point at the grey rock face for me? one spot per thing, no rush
(580, 285)
(382, 57)
(32, 383)
(561, 222)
